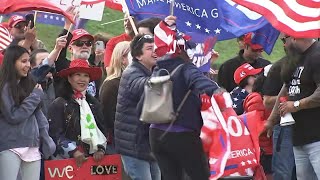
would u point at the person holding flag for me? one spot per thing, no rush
(180, 149)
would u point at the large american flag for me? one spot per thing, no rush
(298, 18)
(5, 38)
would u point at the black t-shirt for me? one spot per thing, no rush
(273, 83)
(303, 84)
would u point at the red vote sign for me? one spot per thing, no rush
(109, 168)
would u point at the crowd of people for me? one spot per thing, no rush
(52, 107)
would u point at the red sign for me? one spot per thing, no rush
(109, 168)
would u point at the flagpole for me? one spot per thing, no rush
(110, 22)
(126, 9)
(74, 18)
(35, 17)
(172, 7)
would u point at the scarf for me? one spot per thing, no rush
(90, 133)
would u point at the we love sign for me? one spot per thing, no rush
(108, 169)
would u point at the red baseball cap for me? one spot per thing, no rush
(79, 33)
(244, 71)
(247, 40)
(15, 19)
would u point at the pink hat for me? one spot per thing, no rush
(244, 71)
(79, 33)
(15, 19)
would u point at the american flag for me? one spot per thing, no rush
(5, 38)
(298, 18)
(168, 41)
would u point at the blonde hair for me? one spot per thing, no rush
(116, 68)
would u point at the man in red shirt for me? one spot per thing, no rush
(127, 36)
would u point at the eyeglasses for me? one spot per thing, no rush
(146, 36)
(81, 43)
(284, 39)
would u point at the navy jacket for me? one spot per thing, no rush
(188, 77)
(131, 135)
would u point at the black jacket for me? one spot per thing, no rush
(64, 121)
(227, 69)
(131, 135)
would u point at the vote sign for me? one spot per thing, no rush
(243, 131)
(109, 168)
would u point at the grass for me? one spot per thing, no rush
(227, 49)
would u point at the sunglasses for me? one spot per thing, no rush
(284, 39)
(81, 43)
(146, 36)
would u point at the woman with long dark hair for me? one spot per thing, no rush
(76, 118)
(22, 123)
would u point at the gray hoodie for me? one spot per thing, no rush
(19, 126)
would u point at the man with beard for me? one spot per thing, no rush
(80, 48)
(250, 54)
(301, 75)
(127, 36)
(283, 165)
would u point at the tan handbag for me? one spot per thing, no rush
(158, 103)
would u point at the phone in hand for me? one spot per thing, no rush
(30, 17)
(99, 45)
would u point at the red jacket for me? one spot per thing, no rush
(254, 102)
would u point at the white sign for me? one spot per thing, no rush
(88, 9)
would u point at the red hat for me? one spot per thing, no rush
(80, 65)
(247, 40)
(79, 33)
(15, 19)
(244, 71)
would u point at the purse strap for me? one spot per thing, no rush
(176, 69)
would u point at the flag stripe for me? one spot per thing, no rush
(298, 12)
(5, 38)
(279, 19)
(309, 3)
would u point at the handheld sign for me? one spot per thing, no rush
(109, 168)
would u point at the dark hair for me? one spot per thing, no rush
(16, 41)
(102, 37)
(8, 75)
(244, 82)
(258, 83)
(137, 43)
(149, 23)
(240, 38)
(33, 55)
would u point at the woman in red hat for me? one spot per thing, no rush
(76, 120)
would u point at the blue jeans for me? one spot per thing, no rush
(283, 158)
(307, 161)
(139, 169)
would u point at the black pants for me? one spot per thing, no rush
(179, 152)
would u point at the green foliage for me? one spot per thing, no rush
(227, 49)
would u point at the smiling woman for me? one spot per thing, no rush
(23, 126)
(76, 123)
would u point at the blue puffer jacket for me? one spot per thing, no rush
(188, 77)
(131, 135)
